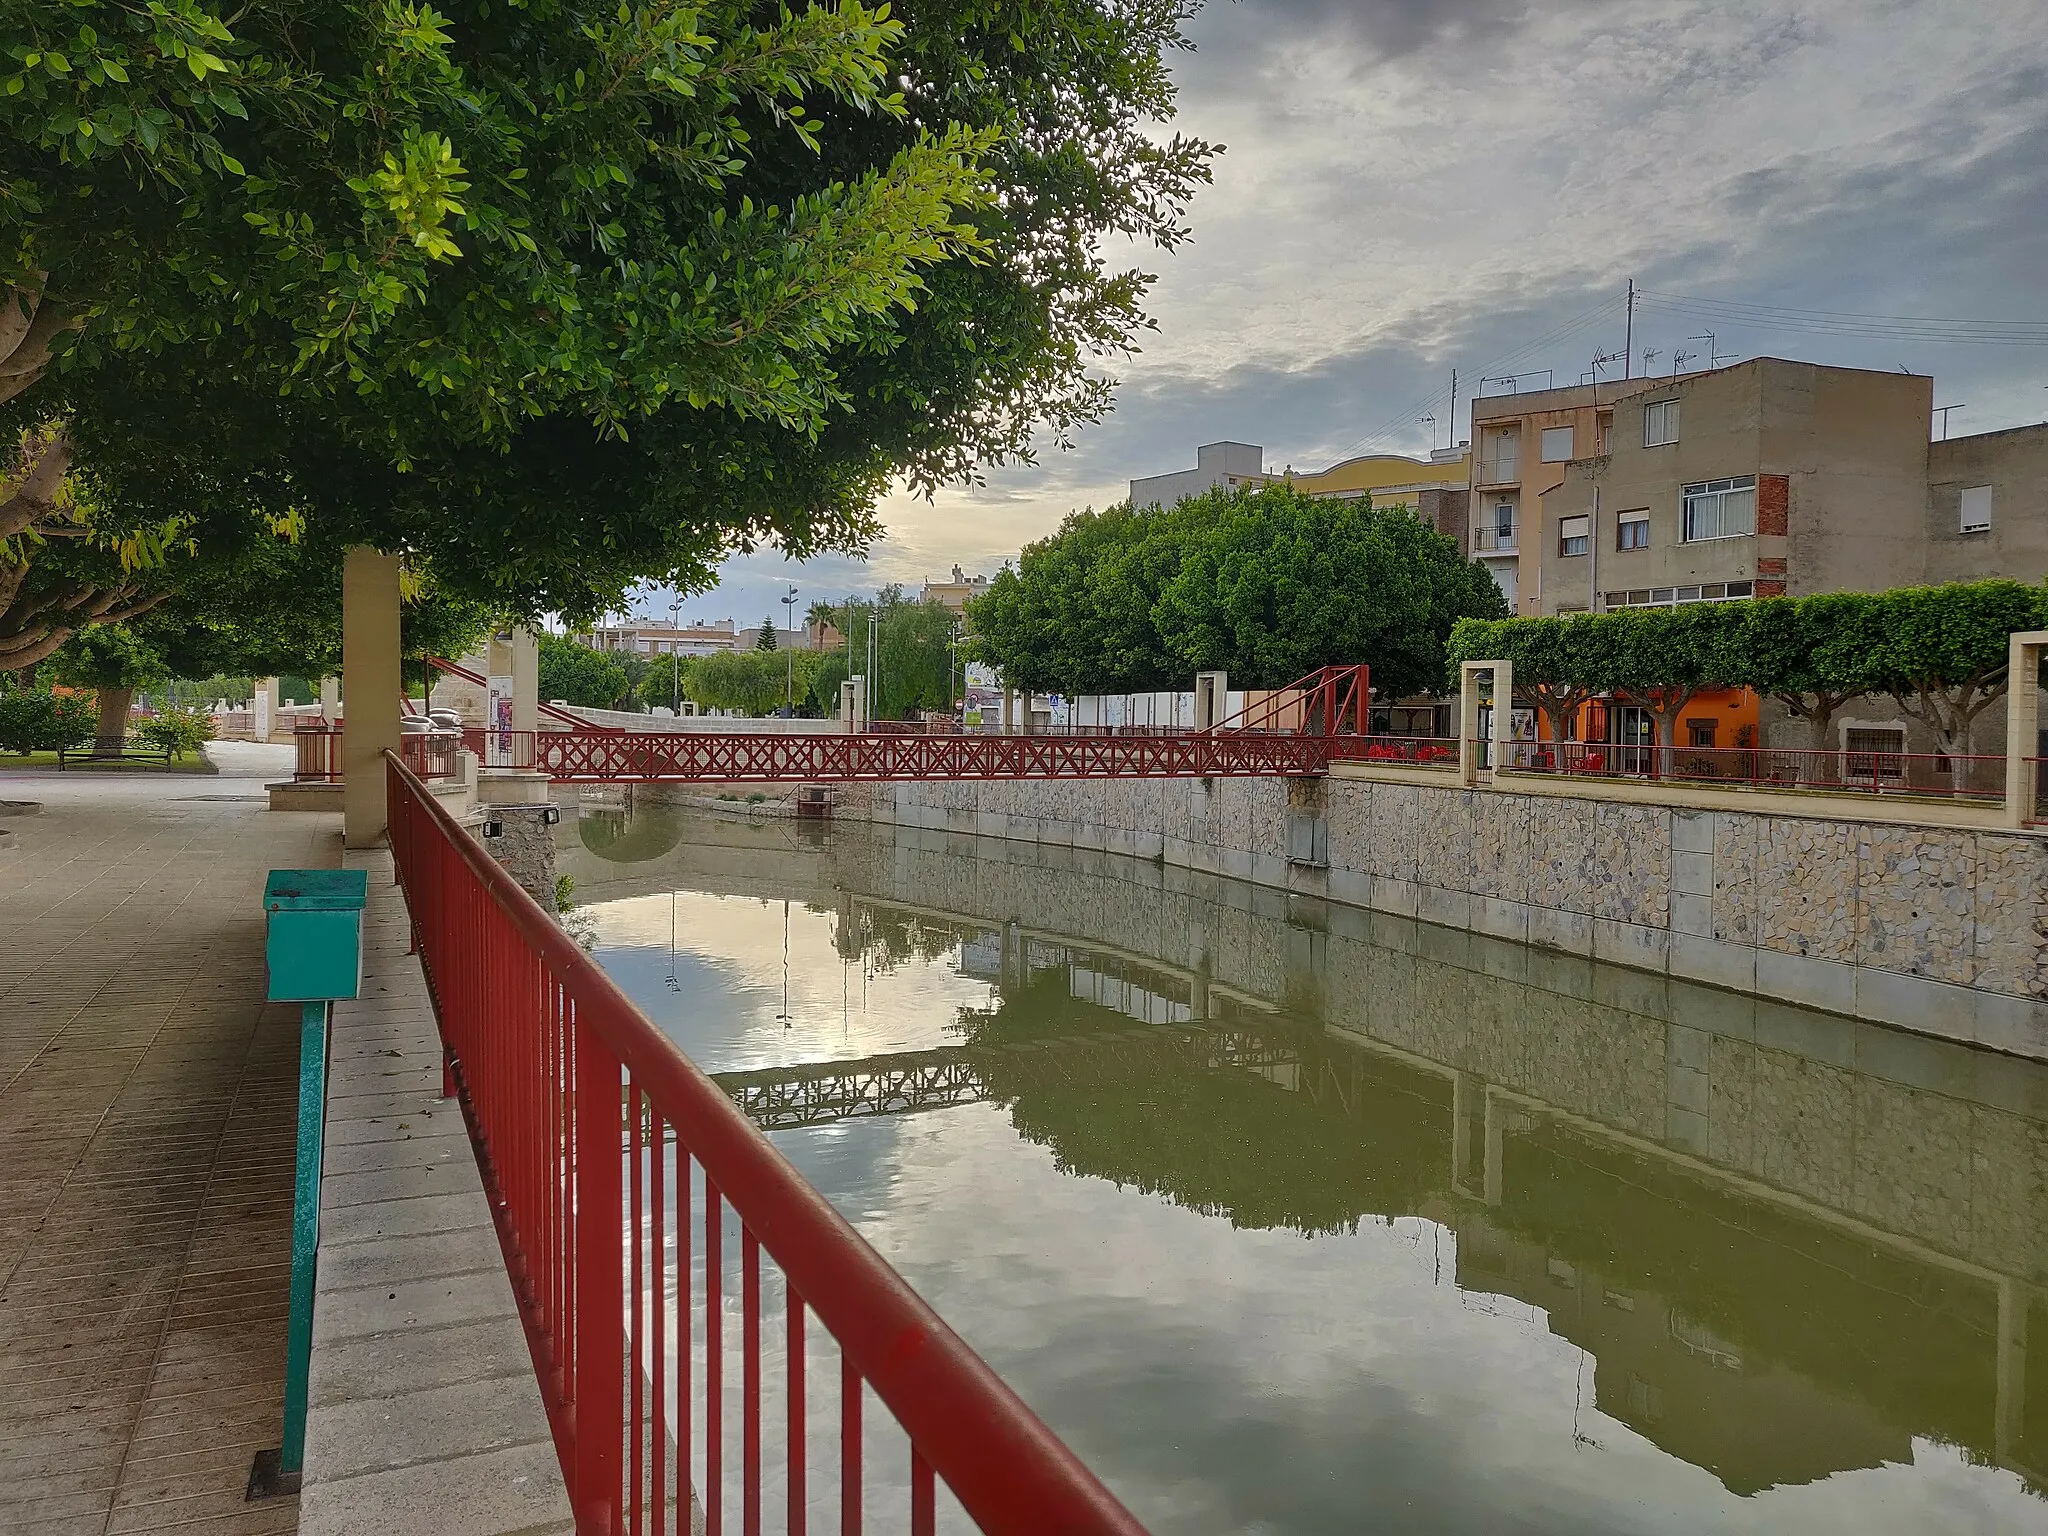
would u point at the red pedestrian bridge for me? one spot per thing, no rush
(1296, 730)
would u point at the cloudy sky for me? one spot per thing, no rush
(1412, 186)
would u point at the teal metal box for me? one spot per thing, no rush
(315, 939)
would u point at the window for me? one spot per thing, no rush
(1603, 430)
(1977, 509)
(1557, 444)
(1574, 535)
(1497, 526)
(1633, 531)
(1720, 509)
(1660, 423)
(1700, 733)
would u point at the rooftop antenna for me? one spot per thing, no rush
(1601, 359)
(1713, 352)
(1649, 357)
(1679, 358)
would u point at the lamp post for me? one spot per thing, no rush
(675, 667)
(789, 662)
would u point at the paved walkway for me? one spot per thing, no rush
(146, 1114)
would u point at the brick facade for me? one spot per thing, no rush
(1773, 505)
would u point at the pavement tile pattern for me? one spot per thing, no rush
(147, 1102)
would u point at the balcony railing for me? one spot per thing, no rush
(1504, 469)
(1491, 538)
(628, 1190)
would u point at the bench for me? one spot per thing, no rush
(113, 749)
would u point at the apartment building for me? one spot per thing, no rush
(1523, 444)
(1772, 477)
(1436, 488)
(954, 595)
(1775, 477)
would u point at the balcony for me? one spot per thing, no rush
(1491, 539)
(1502, 469)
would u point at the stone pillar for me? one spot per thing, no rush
(263, 709)
(525, 845)
(330, 699)
(525, 659)
(1503, 714)
(1212, 699)
(370, 672)
(2022, 724)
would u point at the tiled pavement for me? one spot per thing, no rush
(147, 1097)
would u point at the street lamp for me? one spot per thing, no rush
(789, 664)
(675, 666)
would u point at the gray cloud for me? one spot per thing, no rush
(1418, 185)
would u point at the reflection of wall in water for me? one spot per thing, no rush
(1945, 1145)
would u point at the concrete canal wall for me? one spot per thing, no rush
(1937, 1145)
(1938, 929)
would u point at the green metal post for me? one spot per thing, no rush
(305, 1234)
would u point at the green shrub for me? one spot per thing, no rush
(180, 732)
(45, 722)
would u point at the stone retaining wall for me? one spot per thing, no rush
(1942, 931)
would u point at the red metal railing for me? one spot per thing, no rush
(1401, 751)
(430, 754)
(319, 754)
(613, 1165)
(1924, 775)
(733, 757)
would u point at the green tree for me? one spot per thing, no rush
(1813, 655)
(1946, 650)
(178, 732)
(607, 297)
(764, 637)
(113, 660)
(590, 678)
(914, 661)
(1266, 585)
(1549, 656)
(748, 682)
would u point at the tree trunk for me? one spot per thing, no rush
(114, 704)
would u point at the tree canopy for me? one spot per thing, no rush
(579, 675)
(556, 299)
(1266, 584)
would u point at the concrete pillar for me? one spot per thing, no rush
(525, 671)
(2022, 724)
(1212, 699)
(1468, 720)
(370, 672)
(263, 708)
(330, 699)
(1503, 715)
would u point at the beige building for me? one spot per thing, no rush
(1522, 444)
(954, 595)
(1434, 488)
(700, 637)
(1772, 477)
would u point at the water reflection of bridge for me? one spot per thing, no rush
(902, 1082)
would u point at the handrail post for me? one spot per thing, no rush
(600, 1281)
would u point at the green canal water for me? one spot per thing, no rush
(1294, 1218)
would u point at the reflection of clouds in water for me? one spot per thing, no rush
(725, 1010)
(1222, 1380)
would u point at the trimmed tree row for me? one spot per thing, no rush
(1940, 653)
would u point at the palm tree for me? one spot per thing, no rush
(816, 617)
